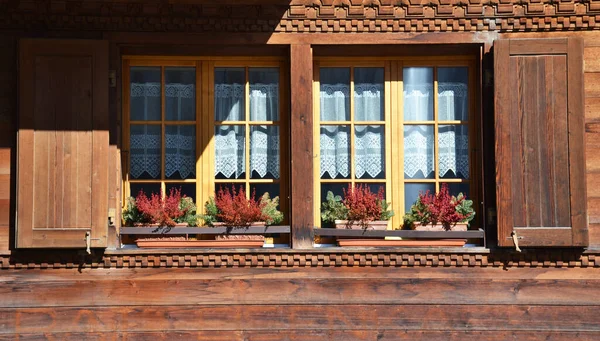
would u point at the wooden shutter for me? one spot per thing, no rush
(62, 161)
(540, 165)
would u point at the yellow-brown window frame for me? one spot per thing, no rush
(394, 131)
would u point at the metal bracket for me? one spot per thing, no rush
(88, 242)
(515, 240)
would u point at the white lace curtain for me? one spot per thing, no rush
(453, 140)
(230, 143)
(145, 140)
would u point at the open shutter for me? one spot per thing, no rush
(62, 161)
(540, 165)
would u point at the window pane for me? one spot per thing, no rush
(145, 93)
(180, 93)
(373, 187)
(187, 189)
(144, 151)
(180, 158)
(148, 189)
(453, 142)
(411, 193)
(369, 152)
(272, 189)
(229, 94)
(335, 94)
(335, 152)
(264, 152)
(418, 93)
(264, 94)
(453, 92)
(457, 187)
(336, 188)
(418, 152)
(368, 94)
(230, 152)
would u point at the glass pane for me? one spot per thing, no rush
(148, 189)
(418, 93)
(264, 152)
(230, 152)
(187, 189)
(335, 94)
(411, 193)
(180, 93)
(180, 150)
(272, 189)
(369, 151)
(229, 94)
(336, 188)
(335, 152)
(145, 93)
(453, 142)
(457, 187)
(368, 94)
(264, 94)
(227, 186)
(418, 152)
(453, 93)
(144, 151)
(374, 187)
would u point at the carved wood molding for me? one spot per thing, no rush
(302, 15)
(505, 259)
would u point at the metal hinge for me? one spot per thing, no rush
(88, 242)
(515, 240)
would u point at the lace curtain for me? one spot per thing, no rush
(145, 140)
(230, 144)
(369, 141)
(453, 140)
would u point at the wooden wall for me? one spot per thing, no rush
(8, 100)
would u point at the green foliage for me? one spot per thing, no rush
(270, 211)
(464, 207)
(186, 204)
(333, 209)
(440, 208)
(131, 214)
(386, 212)
(211, 212)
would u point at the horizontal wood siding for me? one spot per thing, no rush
(592, 135)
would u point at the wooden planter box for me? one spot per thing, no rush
(403, 243)
(184, 243)
(440, 227)
(376, 225)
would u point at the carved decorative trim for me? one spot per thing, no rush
(505, 259)
(303, 16)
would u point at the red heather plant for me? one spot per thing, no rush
(362, 204)
(234, 209)
(440, 208)
(160, 210)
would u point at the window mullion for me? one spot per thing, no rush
(351, 132)
(163, 139)
(247, 131)
(435, 130)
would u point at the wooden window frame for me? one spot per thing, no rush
(205, 122)
(394, 131)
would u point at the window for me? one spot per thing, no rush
(200, 125)
(404, 125)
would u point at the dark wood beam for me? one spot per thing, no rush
(301, 122)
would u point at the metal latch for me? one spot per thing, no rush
(515, 239)
(88, 242)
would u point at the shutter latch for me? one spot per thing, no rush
(88, 242)
(515, 239)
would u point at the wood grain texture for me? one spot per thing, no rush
(301, 65)
(63, 161)
(539, 141)
(298, 317)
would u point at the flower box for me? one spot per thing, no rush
(379, 225)
(440, 227)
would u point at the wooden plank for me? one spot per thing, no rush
(538, 47)
(592, 84)
(503, 108)
(304, 335)
(232, 291)
(592, 152)
(593, 185)
(301, 155)
(559, 163)
(592, 108)
(591, 59)
(298, 317)
(576, 119)
(594, 231)
(545, 236)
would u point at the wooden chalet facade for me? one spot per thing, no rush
(80, 79)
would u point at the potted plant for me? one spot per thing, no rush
(360, 209)
(167, 211)
(232, 209)
(440, 212)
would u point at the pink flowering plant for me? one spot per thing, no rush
(441, 208)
